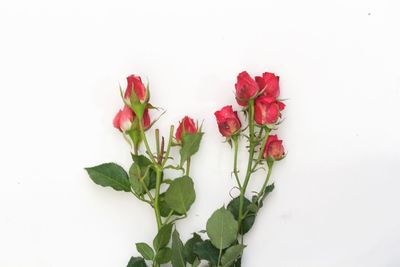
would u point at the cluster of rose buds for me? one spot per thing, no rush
(264, 91)
(146, 179)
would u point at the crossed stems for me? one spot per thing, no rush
(159, 165)
(251, 165)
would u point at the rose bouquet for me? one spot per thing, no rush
(222, 243)
(171, 199)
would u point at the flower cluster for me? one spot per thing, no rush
(171, 199)
(259, 99)
(262, 93)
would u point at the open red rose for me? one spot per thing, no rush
(135, 82)
(269, 84)
(274, 148)
(228, 121)
(188, 125)
(267, 110)
(125, 118)
(246, 88)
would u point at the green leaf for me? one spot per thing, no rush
(136, 262)
(231, 254)
(206, 251)
(164, 255)
(178, 256)
(189, 254)
(145, 250)
(163, 236)
(141, 170)
(190, 145)
(110, 174)
(222, 228)
(247, 222)
(180, 195)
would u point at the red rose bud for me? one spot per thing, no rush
(187, 125)
(273, 148)
(267, 110)
(246, 88)
(228, 121)
(123, 120)
(146, 119)
(268, 84)
(135, 82)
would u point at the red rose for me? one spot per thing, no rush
(146, 119)
(123, 120)
(135, 82)
(187, 125)
(267, 110)
(246, 88)
(228, 121)
(269, 84)
(273, 148)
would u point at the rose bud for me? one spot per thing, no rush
(146, 119)
(187, 125)
(135, 82)
(124, 118)
(273, 148)
(267, 110)
(228, 121)
(246, 88)
(268, 84)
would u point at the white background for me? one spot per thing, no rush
(337, 197)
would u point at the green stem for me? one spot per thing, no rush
(156, 198)
(219, 257)
(147, 144)
(249, 164)
(171, 134)
(187, 167)
(260, 152)
(262, 192)
(235, 171)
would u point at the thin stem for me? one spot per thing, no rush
(147, 144)
(262, 192)
(249, 164)
(187, 167)
(235, 171)
(157, 133)
(171, 133)
(260, 152)
(156, 198)
(219, 257)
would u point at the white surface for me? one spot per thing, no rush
(337, 193)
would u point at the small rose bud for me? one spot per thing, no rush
(273, 148)
(124, 118)
(267, 110)
(187, 125)
(135, 82)
(268, 84)
(228, 121)
(146, 119)
(246, 88)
